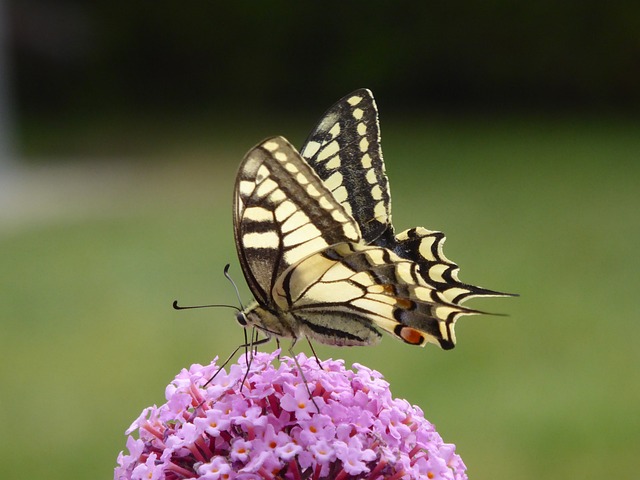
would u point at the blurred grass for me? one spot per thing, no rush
(547, 208)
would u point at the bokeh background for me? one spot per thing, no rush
(513, 127)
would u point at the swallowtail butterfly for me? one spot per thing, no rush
(317, 248)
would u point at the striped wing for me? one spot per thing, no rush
(316, 244)
(282, 214)
(338, 296)
(344, 150)
(425, 247)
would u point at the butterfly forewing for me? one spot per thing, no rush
(344, 150)
(282, 213)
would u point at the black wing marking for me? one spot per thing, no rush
(282, 213)
(425, 247)
(333, 150)
(344, 150)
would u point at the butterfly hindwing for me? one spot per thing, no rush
(344, 150)
(282, 213)
(425, 248)
(335, 292)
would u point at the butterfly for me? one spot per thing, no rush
(317, 248)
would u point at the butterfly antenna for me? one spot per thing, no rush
(235, 287)
(189, 307)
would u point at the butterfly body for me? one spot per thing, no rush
(317, 248)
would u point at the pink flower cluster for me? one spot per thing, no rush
(269, 428)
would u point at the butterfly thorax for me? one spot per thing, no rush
(277, 324)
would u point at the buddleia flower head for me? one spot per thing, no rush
(270, 428)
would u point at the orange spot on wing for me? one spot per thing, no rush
(404, 303)
(412, 336)
(388, 289)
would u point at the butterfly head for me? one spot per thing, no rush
(242, 319)
(270, 323)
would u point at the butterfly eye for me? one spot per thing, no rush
(242, 319)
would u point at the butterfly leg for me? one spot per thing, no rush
(245, 345)
(278, 347)
(306, 384)
(314, 353)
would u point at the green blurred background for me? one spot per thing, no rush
(513, 127)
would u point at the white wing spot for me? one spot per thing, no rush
(355, 100)
(333, 163)
(335, 130)
(258, 214)
(277, 196)
(366, 161)
(350, 229)
(295, 221)
(339, 216)
(371, 176)
(285, 210)
(376, 192)
(362, 128)
(291, 167)
(380, 211)
(312, 190)
(357, 113)
(246, 188)
(329, 151)
(310, 149)
(364, 279)
(403, 271)
(374, 307)
(364, 144)
(423, 293)
(452, 293)
(266, 187)
(261, 240)
(305, 233)
(304, 250)
(443, 312)
(307, 272)
(262, 173)
(425, 248)
(325, 203)
(302, 180)
(281, 156)
(334, 181)
(338, 292)
(375, 256)
(340, 194)
(337, 272)
(271, 146)
(436, 272)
